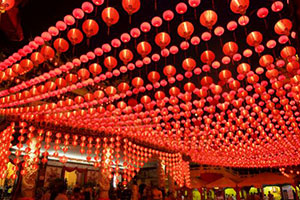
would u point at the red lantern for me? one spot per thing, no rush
(6, 5)
(110, 62)
(110, 16)
(254, 38)
(144, 48)
(83, 74)
(189, 64)
(137, 82)
(123, 87)
(153, 77)
(131, 6)
(26, 64)
(185, 30)
(239, 6)
(95, 69)
(60, 82)
(75, 36)
(126, 56)
(61, 45)
(287, 52)
(266, 60)
(207, 57)
(37, 58)
(169, 71)
(162, 39)
(208, 18)
(47, 52)
(90, 27)
(283, 27)
(230, 48)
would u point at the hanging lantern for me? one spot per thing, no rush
(230, 48)
(90, 27)
(208, 18)
(75, 36)
(169, 71)
(137, 82)
(83, 74)
(47, 52)
(110, 16)
(185, 30)
(189, 64)
(110, 62)
(283, 27)
(144, 48)
(131, 7)
(153, 77)
(239, 6)
(95, 69)
(37, 58)
(126, 56)
(6, 5)
(61, 45)
(162, 39)
(207, 57)
(254, 38)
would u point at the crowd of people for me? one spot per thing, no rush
(59, 191)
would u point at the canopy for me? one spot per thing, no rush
(265, 179)
(222, 183)
(197, 183)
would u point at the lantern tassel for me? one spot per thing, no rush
(129, 19)
(195, 13)
(266, 24)
(108, 31)
(155, 5)
(73, 51)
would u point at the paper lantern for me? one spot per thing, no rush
(75, 36)
(61, 45)
(90, 27)
(162, 39)
(208, 18)
(254, 38)
(126, 56)
(239, 6)
(283, 27)
(185, 30)
(110, 16)
(144, 48)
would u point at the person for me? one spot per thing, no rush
(142, 192)
(230, 197)
(77, 194)
(265, 197)
(270, 196)
(156, 194)
(56, 191)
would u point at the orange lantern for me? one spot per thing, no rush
(95, 69)
(153, 77)
(189, 64)
(254, 38)
(206, 81)
(126, 56)
(50, 86)
(131, 7)
(71, 78)
(137, 82)
(266, 60)
(123, 87)
(224, 75)
(26, 64)
(83, 74)
(75, 36)
(61, 45)
(185, 30)
(243, 68)
(144, 48)
(287, 52)
(17, 68)
(174, 91)
(230, 48)
(60, 82)
(10, 73)
(169, 71)
(110, 16)
(110, 90)
(208, 18)
(47, 52)
(37, 58)
(283, 27)
(207, 57)
(189, 87)
(145, 99)
(162, 39)
(110, 62)
(239, 6)
(90, 27)
(99, 94)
